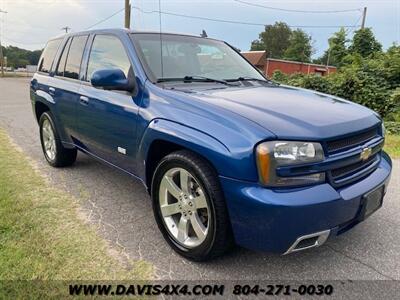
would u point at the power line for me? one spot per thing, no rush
(231, 21)
(355, 26)
(107, 18)
(298, 11)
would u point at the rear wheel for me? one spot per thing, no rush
(189, 207)
(54, 152)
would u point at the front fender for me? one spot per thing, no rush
(225, 161)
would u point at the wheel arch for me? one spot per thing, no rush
(40, 108)
(163, 137)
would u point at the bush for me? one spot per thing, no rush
(392, 127)
(359, 84)
(371, 82)
(279, 76)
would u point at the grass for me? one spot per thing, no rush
(42, 234)
(392, 145)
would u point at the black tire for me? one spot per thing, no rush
(219, 238)
(63, 157)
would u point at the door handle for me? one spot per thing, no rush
(52, 91)
(84, 100)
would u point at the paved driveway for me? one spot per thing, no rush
(121, 208)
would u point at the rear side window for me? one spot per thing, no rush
(74, 58)
(63, 59)
(48, 55)
(108, 53)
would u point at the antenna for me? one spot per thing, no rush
(66, 28)
(161, 44)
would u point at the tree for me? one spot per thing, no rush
(274, 40)
(337, 50)
(300, 48)
(391, 65)
(364, 43)
(17, 57)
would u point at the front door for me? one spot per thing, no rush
(106, 120)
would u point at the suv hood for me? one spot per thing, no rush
(290, 112)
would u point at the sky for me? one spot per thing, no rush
(30, 23)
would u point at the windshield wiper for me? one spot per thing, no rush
(195, 79)
(244, 78)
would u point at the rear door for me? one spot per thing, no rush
(107, 120)
(66, 82)
(40, 88)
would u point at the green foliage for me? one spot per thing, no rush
(391, 65)
(371, 82)
(392, 127)
(279, 76)
(337, 50)
(300, 48)
(274, 39)
(17, 57)
(392, 143)
(279, 41)
(366, 75)
(364, 43)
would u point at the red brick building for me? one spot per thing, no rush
(269, 65)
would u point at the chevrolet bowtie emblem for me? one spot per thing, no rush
(365, 153)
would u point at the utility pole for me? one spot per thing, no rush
(66, 28)
(127, 14)
(1, 51)
(363, 18)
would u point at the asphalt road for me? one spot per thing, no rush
(120, 208)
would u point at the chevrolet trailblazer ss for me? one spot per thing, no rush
(228, 156)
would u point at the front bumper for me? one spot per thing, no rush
(273, 219)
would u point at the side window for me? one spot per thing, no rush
(74, 58)
(108, 53)
(48, 55)
(63, 59)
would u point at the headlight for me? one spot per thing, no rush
(270, 155)
(383, 129)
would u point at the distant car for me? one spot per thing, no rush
(227, 155)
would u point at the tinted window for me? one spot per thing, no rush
(48, 55)
(74, 58)
(108, 53)
(63, 59)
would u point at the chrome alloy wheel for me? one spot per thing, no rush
(184, 207)
(49, 140)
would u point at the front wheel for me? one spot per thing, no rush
(189, 207)
(53, 150)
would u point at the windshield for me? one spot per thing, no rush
(186, 56)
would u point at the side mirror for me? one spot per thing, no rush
(111, 79)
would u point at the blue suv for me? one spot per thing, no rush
(228, 156)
